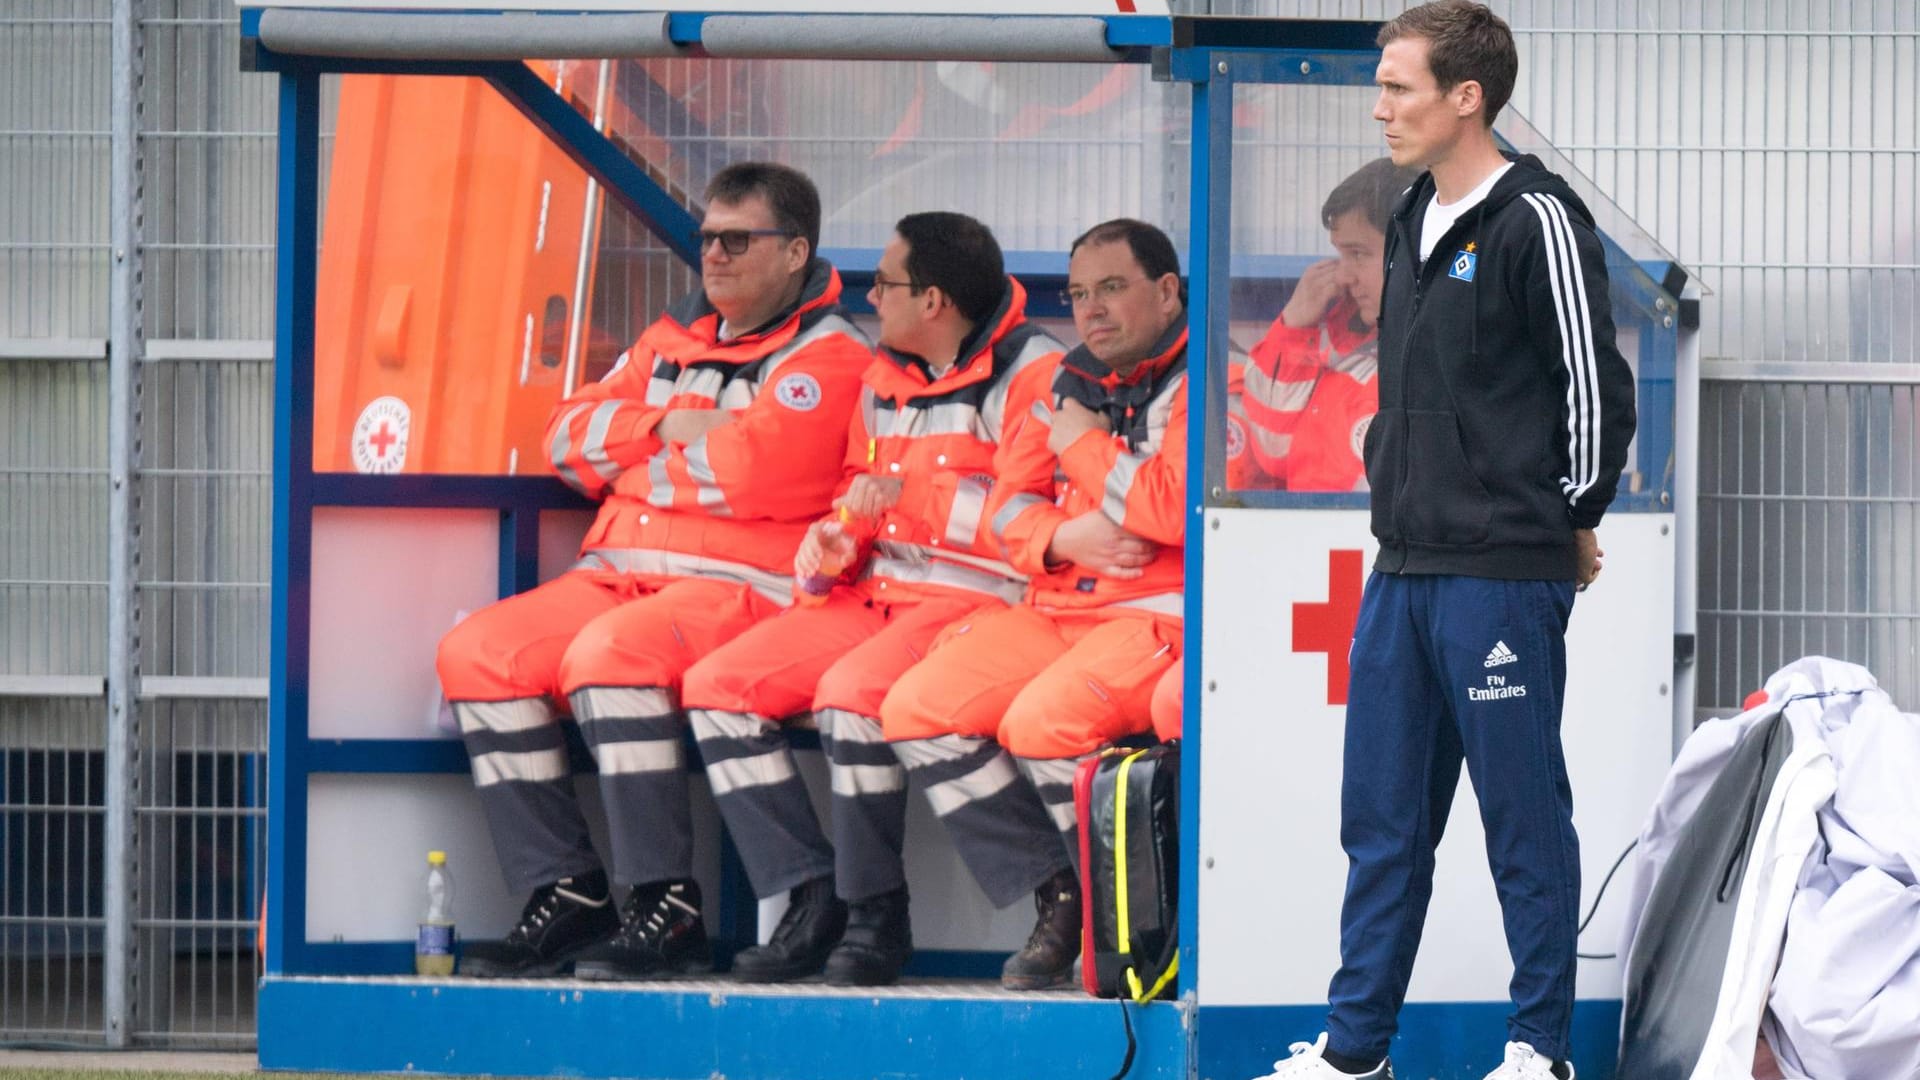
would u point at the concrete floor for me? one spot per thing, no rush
(142, 1060)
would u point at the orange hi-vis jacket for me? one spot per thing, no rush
(948, 440)
(1307, 396)
(1136, 475)
(735, 502)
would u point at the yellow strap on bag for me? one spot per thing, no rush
(1140, 995)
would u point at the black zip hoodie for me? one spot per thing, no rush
(1505, 409)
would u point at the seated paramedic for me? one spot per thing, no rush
(712, 444)
(950, 397)
(1074, 666)
(1307, 394)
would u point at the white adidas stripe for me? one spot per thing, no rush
(1567, 283)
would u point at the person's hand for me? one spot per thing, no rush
(687, 425)
(1072, 420)
(825, 549)
(1094, 542)
(1586, 545)
(1320, 285)
(870, 496)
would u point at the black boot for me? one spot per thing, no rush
(560, 921)
(1047, 959)
(661, 934)
(809, 930)
(877, 944)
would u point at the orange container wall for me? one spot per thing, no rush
(450, 270)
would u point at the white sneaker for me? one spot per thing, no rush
(1308, 1062)
(1523, 1062)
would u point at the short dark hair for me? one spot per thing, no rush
(957, 255)
(1465, 41)
(1374, 189)
(792, 197)
(1150, 247)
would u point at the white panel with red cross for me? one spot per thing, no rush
(1282, 593)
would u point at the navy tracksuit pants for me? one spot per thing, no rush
(1446, 668)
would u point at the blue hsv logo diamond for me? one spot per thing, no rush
(1463, 263)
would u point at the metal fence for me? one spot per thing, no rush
(1775, 147)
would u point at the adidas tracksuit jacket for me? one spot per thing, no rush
(1505, 414)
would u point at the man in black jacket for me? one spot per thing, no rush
(1505, 414)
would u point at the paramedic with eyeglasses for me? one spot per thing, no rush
(712, 445)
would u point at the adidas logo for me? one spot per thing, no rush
(1500, 655)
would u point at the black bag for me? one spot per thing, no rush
(1129, 807)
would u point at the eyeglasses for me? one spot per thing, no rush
(881, 285)
(1106, 290)
(735, 241)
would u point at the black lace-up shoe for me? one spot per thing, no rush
(1047, 958)
(559, 921)
(809, 930)
(877, 945)
(661, 933)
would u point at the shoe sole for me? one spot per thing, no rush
(1034, 982)
(545, 970)
(592, 971)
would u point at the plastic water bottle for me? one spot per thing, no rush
(433, 947)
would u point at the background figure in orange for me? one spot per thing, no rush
(1073, 667)
(1307, 393)
(712, 444)
(949, 402)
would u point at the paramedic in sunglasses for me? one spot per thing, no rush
(712, 444)
(1505, 414)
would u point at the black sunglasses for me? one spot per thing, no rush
(735, 241)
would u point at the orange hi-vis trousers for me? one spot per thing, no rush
(836, 659)
(611, 647)
(1166, 704)
(1053, 685)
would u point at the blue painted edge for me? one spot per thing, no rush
(296, 243)
(626, 182)
(1437, 1040)
(459, 1027)
(447, 491)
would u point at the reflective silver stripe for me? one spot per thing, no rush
(1062, 815)
(700, 382)
(993, 411)
(720, 723)
(1174, 604)
(952, 418)
(963, 517)
(705, 491)
(533, 765)
(774, 586)
(1120, 485)
(594, 447)
(733, 774)
(826, 327)
(659, 485)
(843, 726)
(523, 714)
(854, 781)
(659, 391)
(1040, 412)
(562, 443)
(631, 758)
(869, 410)
(1014, 507)
(984, 782)
(893, 561)
(592, 703)
(919, 753)
(1056, 773)
(1276, 395)
(1160, 416)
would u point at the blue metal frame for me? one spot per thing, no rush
(394, 1026)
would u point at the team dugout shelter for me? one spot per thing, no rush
(480, 205)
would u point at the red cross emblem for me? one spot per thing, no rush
(1328, 627)
(383, 439)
